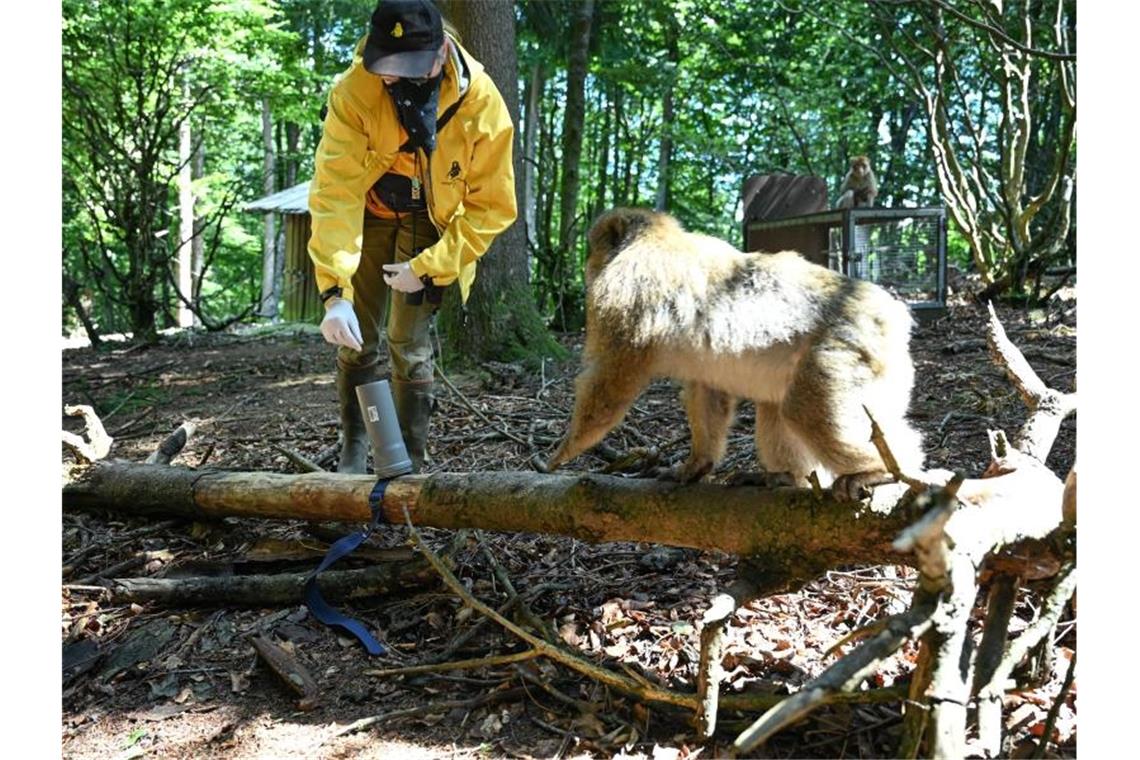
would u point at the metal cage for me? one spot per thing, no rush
(902, 250)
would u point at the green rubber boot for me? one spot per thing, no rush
(413, 402)
(354, 436)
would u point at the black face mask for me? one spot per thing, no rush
(416, 106)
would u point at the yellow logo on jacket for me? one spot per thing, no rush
(398, 30)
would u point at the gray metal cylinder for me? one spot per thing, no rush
(389, 455)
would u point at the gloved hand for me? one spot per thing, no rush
(401, 277)
(340, 326)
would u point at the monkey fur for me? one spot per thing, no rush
(859, 187)
(807, 345)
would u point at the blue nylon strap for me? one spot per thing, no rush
(322, 610)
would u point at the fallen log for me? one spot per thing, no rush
(794, 525)
(268, 590)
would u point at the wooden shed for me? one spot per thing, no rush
(299, 288)
(901, 249)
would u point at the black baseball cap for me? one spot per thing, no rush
(405, 38)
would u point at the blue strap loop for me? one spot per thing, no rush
(322, 610)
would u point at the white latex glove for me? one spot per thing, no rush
(340, 326)
(401, 277)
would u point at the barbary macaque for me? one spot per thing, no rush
(859, 186)
(809, 346)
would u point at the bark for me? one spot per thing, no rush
(573, 123)
(603, 162)
(72, 297)
(198, 244)
(782, 523)
(665, 148)
(269, 291)
(275, 589)
(535, 87)
(186, 214)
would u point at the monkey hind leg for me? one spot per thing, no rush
(603, 392)
(830, 413)
(782, 451)
(710, 414)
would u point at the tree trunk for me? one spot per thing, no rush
(789, 523)
(501, 321)
(292, 149)
(665, 149)
(533, 115)
(198, 245)
(603, 163)
(572, 125)
(185, 253)
(268, 307)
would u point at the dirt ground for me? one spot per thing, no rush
(181, 682)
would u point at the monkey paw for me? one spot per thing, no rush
(762, 479)
(686, 472)
(857, 486)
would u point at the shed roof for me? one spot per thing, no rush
(294, 200)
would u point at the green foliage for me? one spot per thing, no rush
(203, 63)
(758, 88)
(957, 248)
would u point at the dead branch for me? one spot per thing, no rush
(302, 463)
(442, 667)
(264, 590)
(286, 667)
(995, 631)
(493, 697)
(98, 443)
(743, 520)
(1047, 407)
(545, 648)
(1055, 709)
(843, 676)
(989, 696)
(172, 444)
(710, 670)
(537, 624)
(130, 562)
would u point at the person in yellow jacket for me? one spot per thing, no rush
(413, 181)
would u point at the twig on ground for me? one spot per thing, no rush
(127, 564)
(305, 465)
(1055, 709)
(844, 675)
(441, 667)
(540, 626)
(463, 399)
(990, 695)
(494, 697)
(287, 668)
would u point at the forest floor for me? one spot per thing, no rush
(176, 682)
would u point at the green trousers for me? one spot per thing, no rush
(407, 328)
(409, 345)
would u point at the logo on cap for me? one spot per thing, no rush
(398, 30)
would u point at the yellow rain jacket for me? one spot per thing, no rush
(470, 178)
